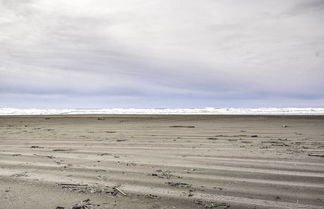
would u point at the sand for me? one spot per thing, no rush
(149, 161)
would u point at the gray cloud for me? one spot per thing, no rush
(177, 53)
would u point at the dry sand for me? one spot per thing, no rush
(161, 162)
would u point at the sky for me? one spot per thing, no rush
(161, 53)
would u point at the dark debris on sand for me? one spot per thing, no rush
(84, 204)
(151, 196)
(211, 205)
(179, 184)
(36, 147)
(164, 174)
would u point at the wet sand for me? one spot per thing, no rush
(149, 161)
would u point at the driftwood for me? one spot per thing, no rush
(119, 190)
(182, 126)
(74, 185)
(316, 155)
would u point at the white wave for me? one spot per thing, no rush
(166, 111)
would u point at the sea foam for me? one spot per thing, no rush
(167, 111)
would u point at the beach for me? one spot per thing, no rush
(161, 161)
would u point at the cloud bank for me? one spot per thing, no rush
(161, 53)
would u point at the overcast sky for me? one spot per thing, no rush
(161, 53)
